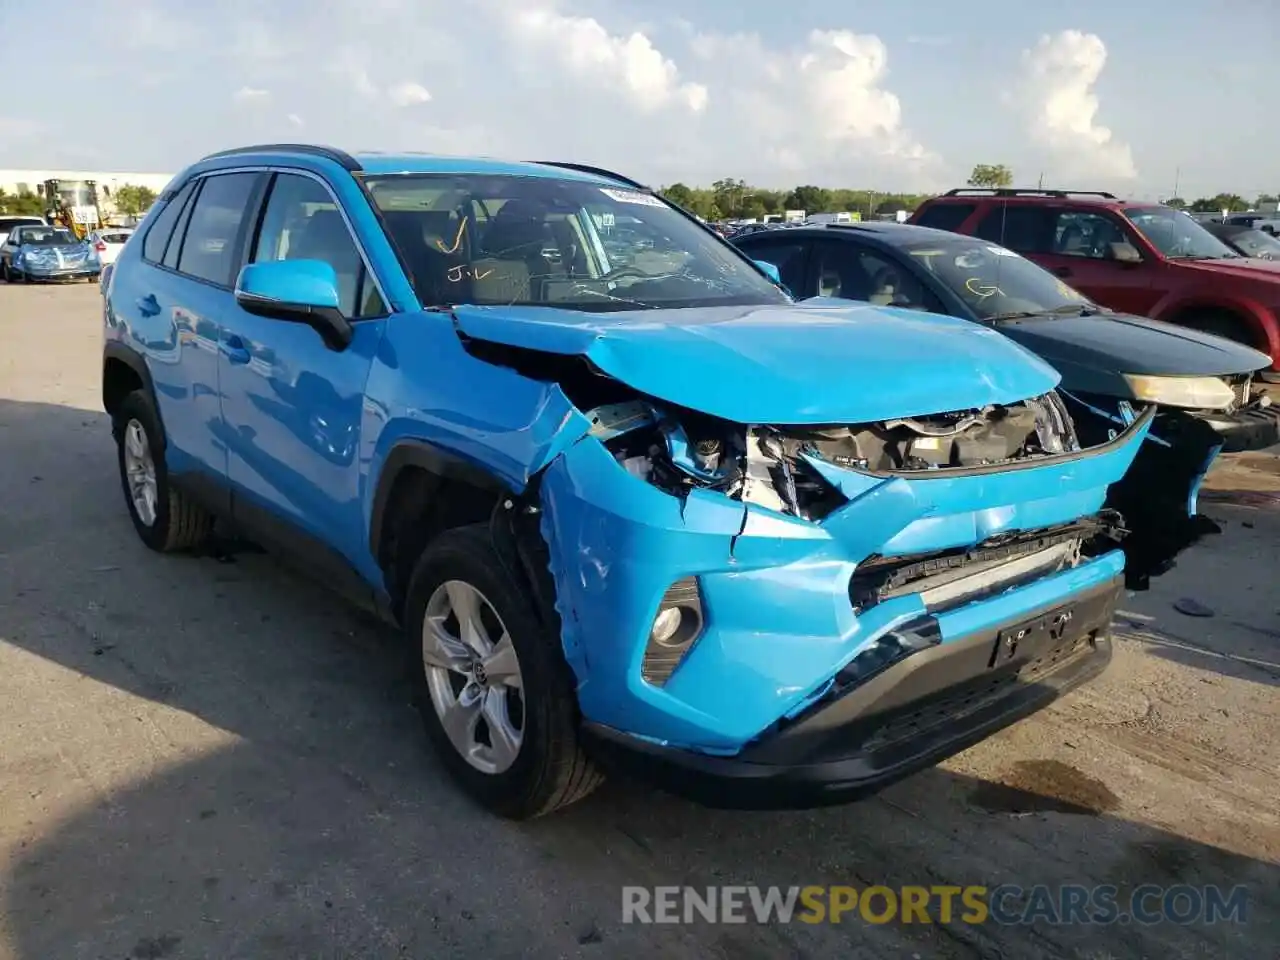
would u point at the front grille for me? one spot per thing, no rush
(997, 564)
(1241, 386)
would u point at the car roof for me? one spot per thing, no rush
(887, 232)
(392, 163)
(1035, 197)
(375, 163)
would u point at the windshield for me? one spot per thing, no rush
(44, 236)
(1256, 243)
(547, 241)
(995, 282)
(1178, 236)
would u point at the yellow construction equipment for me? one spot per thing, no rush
(73, 204)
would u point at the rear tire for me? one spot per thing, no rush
(166, 519)
(469, 711)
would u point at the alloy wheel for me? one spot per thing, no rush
(140, 471)
(473, 676)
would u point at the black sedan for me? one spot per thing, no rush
(1246, 240)
(1110, 362)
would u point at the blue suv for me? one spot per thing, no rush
(632, 506)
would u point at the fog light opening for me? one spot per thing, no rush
(676, 626)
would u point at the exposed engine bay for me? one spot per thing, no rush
(779, 468)
(787, 468)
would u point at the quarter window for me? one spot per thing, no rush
(158, 233)
(209, 247)
(945, 216)
(301, 222)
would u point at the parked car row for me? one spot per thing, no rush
(33, 250)
(651, 513)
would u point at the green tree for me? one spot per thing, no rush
(1230, 202)
(24, 204)
(729, 195)
(1176, 202)
(810, 199)
(991, 175)
(132, 200)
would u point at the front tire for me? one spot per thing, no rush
(165, 518)
(494, 691)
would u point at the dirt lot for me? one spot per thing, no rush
(207, 759)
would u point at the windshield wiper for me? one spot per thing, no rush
(1017, 315)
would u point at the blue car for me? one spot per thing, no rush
(632, 506)
(40, 252)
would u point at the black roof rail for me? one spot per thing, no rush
(1025, 192)
(587, 168)
(340, 157)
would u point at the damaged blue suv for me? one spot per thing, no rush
(633, 508)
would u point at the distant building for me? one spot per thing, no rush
(32, 181)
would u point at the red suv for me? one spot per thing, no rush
(1133, 257)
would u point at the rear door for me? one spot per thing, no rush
(155, 302)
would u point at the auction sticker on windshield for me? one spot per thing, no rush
(631, 196)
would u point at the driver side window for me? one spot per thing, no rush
(1091, 235)
(301, 222)
(853, 272)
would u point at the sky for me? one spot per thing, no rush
(1137, 96)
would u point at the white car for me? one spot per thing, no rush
(109, 241)
(7, 223)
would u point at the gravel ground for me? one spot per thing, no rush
(207, 759)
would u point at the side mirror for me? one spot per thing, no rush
(296, 291)
(1125, 253)
(769, 270)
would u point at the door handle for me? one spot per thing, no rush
(234, 350)
(148, 306)
(1062, 271)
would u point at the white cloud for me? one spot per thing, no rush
(408, 94)
(1059, 75)
(553, 79)
(588, 51)
(250, 95)
(822, 107)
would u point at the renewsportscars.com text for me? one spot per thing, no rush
(1004, 904)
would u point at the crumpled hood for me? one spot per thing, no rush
(815, 362)
(1121, 343)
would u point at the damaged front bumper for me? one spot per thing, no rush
(914, 714)
(782, 615)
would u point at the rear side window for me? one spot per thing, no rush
(209, 247)
(945, 216)
(159, 232)
(1023, 228)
